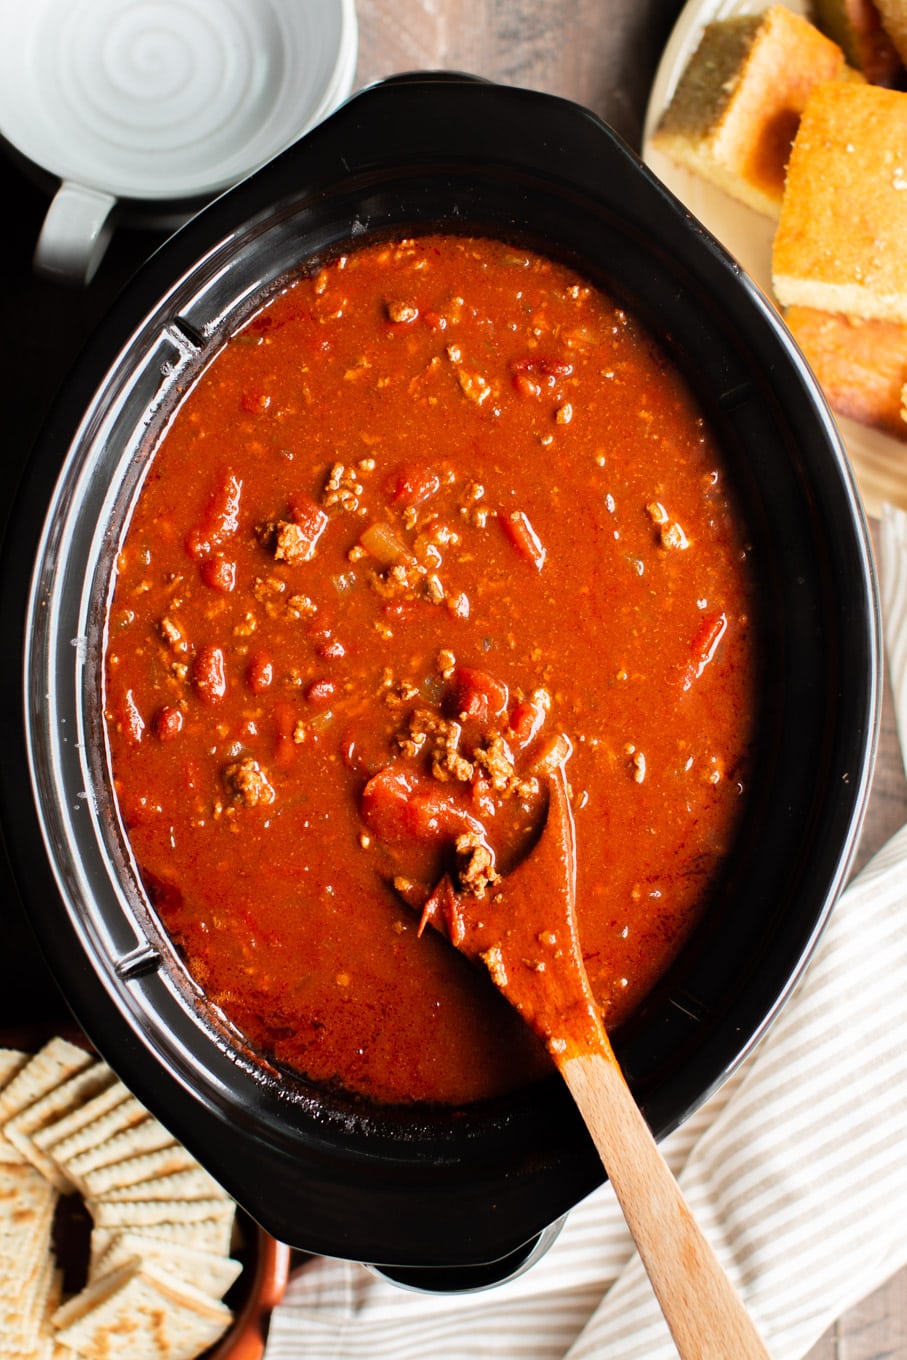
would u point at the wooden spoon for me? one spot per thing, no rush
(525, 933)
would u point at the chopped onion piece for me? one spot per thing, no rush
(382, 542)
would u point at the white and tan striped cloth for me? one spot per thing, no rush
(796, 1168)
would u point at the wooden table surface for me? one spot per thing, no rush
(602, 53)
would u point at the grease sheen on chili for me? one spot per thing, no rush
(440, 515)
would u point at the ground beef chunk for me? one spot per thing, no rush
(246, 783)
(476, 872)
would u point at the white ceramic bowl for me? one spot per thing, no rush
(154, 106)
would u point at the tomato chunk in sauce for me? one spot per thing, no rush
(440, 515)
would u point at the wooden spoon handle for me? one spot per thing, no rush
(707, 1318)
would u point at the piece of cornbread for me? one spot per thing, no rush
(861, 365)
(841, 242)
(737, 104)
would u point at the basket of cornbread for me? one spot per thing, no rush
(799, 112)
(114, 1241)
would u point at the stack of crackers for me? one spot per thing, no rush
(769, 109)
(161, 1227)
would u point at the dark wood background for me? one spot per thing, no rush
(602, 53)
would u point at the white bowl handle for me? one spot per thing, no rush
(76, 230)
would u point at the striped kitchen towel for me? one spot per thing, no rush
(796, 1168)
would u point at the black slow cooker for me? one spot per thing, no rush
(436, 1196)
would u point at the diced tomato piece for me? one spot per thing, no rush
(130, 719)
(385, 802)
(708, 635)
(521, 534)
(400, 806)
(397, 809)
(482, 799)
(478, 696)
(704, 646)
(412, 485)
(220, 520)
(527, 720)
(308, 516)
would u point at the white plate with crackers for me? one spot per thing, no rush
(878, 460)
(113, 1239)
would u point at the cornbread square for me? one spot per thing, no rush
(843, 226)
(737, 104)
(861, 365)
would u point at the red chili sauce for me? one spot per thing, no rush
(437, 516)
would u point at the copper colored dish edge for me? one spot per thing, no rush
(246, 1338)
